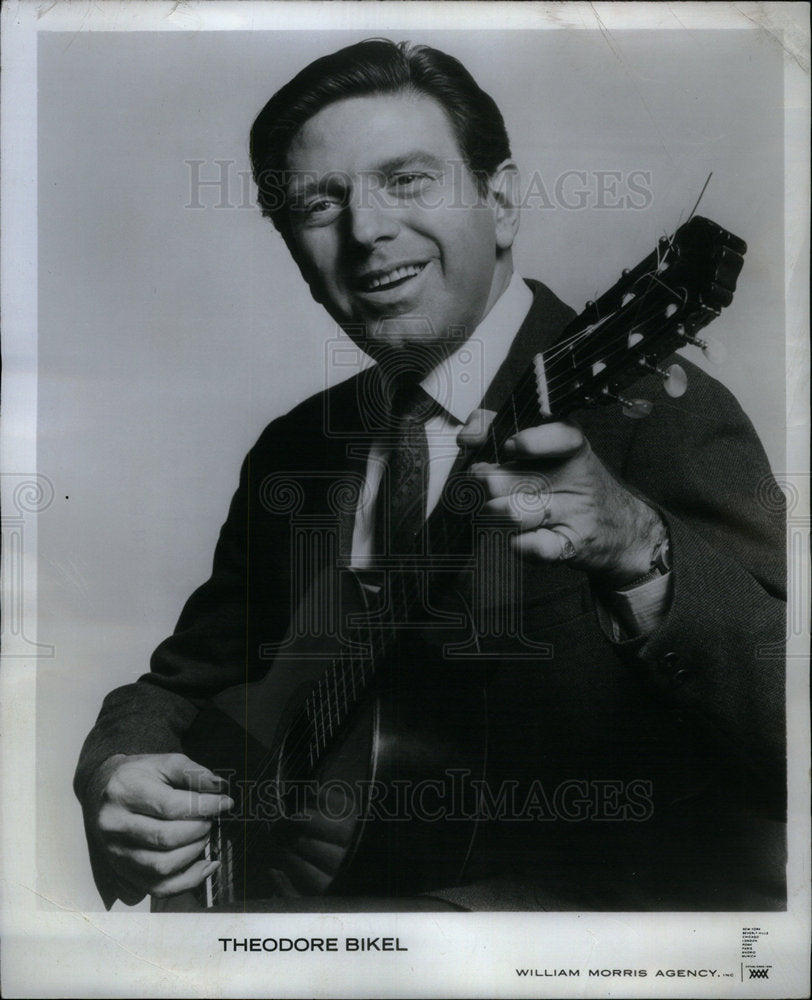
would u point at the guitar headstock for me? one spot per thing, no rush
(654, 309)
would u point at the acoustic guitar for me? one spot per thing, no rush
(337, 758)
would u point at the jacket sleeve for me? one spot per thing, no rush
(717, 655)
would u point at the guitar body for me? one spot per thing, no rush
(376, 800)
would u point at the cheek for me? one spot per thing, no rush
(317, 262)
(475, 239)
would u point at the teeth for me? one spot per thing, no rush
(407, 271)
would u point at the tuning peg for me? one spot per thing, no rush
(713, 350)
(675, 381)
(634, 408)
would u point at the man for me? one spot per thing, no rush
(648, 576)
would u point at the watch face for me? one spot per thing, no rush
(662, 557)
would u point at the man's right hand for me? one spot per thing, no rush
(150, 814)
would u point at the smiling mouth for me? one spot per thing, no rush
(380, 281)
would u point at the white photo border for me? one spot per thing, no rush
(54, 950)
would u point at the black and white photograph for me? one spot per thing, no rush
(405, 499)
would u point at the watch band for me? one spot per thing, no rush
(660, 565)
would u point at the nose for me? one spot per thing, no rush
(370, 218)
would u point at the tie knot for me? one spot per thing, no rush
(410, 401)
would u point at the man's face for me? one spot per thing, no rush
(388, 226)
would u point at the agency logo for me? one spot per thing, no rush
(759, 972)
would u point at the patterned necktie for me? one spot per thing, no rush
(399, 523)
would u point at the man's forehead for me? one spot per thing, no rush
(373, 133)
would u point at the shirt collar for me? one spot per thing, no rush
(459, 382)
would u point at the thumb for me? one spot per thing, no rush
(181, 772)
(475, 430)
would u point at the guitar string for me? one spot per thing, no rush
(609, 321)
(602, 355)
(271, 757)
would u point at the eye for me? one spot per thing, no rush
(410, 181)
(318, 211)
(322, 205)
(403, 180)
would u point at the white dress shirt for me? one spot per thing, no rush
(458, 384)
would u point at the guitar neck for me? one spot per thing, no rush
(652, 311)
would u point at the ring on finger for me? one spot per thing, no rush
(568, 550)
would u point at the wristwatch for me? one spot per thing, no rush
(660, 565)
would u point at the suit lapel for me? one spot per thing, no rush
(542, 326)
(354, 416)
(547, 318)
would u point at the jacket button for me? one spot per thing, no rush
(680, 676)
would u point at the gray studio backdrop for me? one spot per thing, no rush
(173, 326)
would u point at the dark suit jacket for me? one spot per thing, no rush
(695, 710)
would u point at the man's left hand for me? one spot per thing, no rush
(565, 504)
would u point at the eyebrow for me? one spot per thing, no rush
(416, 157)
(306, 182)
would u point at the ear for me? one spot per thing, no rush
(504, 190)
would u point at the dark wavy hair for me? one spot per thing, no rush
(374, 66)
